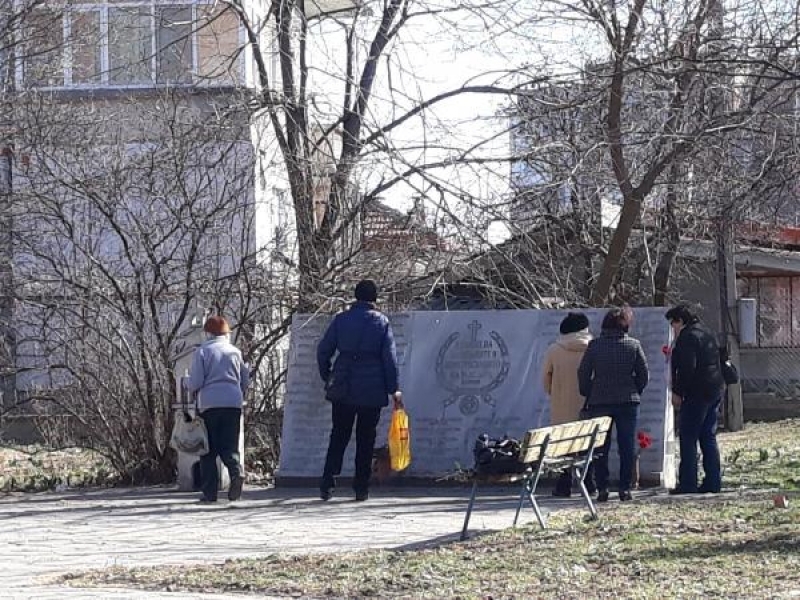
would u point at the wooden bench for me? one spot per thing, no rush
(569, 446)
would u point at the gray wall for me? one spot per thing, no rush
(696, 283)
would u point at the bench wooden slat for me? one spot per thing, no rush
(563, 440)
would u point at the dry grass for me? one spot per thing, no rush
(35, 469)
(719, 548)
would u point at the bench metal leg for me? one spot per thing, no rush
(535, 506)
(529, 486)
(580, 475)
(523, 492)
(469, 511)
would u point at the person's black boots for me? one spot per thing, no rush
(326, 487)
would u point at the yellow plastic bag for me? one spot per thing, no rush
(399, 440)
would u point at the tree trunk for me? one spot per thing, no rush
(631, 208)
(667, 259)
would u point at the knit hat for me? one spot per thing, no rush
(573, 323)
(216, 325)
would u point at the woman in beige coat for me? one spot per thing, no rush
(560, 379)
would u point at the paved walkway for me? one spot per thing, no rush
(43, 536)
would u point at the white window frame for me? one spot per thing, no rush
(104, 82)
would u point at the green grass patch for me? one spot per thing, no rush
(763, 455)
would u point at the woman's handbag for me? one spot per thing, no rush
(189, 435)
(399, 440)
(730, 374)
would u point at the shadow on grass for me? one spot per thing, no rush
(785, 543)
(445, 540)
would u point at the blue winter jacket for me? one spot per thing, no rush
(364, 340)
(218, 374)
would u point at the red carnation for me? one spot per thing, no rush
(645, 441)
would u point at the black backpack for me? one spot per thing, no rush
(497, 456)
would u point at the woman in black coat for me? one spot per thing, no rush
(612, 377)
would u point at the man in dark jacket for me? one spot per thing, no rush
(367, 364)
(697, 387)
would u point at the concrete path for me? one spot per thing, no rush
(43, 536)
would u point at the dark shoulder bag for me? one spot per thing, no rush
(337, 387)
(730, 374)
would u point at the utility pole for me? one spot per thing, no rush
(7, 337)
(726, 274)
(726, 262)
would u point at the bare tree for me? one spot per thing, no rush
(117, 242)
(329, 129)
(671, 85)
(24, 36)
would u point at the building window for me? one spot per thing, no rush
(217, 43)
(130, 47)
(778, 299)
(135, 44)
(85, 45)
(44, 46)
(174, 39)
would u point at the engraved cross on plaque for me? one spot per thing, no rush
(473, 330)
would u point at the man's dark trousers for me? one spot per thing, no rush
(223, 426)
(697, 422)
(366, 421)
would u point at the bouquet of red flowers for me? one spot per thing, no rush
(645, 441)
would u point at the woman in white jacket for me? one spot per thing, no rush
(560, 379)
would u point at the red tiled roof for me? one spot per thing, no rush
(773, 234)
(384, 228)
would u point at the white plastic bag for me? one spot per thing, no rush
(189, 435)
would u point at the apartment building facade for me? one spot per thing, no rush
(141, 186)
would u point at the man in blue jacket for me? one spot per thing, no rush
(365, 372)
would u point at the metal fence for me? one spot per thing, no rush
(772, 364)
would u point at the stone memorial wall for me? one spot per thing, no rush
(464, 373)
